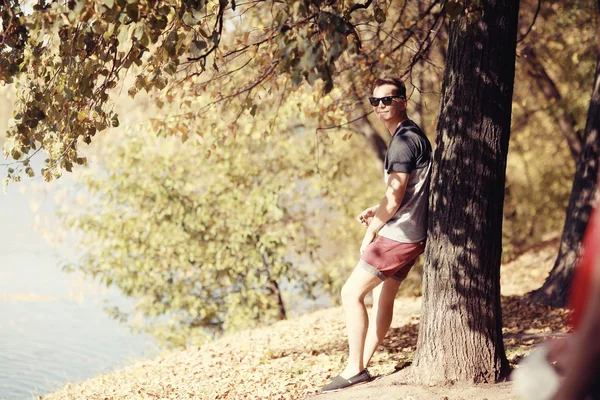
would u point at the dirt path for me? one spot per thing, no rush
(393, 387)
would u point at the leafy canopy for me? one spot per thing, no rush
(70, 58)
(207, 246)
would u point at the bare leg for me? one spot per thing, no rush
(381, 316)
(354, 291)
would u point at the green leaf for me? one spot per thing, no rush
(140, 82)
(203, 32)
(138, 32)
(133, 12)
(160, 83)
(170, 68)
(197, 47)
(171, 42)
(188, 19)
(123, 35)
(379, 15)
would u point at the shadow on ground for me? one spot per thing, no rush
(525, 324)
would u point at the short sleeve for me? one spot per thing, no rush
(402, 154)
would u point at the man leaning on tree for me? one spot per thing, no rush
(395, 236)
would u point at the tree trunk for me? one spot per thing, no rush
(460, 334)
(565, 121)
(281, 307)
(375, 141)
(273, 288)
(555, 289)
(365, 128)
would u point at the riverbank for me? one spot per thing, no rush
(293, 359)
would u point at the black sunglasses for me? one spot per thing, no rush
(387, 100)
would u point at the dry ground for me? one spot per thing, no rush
(293, 359)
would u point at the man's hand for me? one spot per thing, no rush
(366, 216)
(369, 237)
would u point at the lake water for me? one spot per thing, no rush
(53, 328)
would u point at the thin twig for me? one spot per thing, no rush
(341, 125)
(537, 11)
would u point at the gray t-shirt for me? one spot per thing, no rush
(410, 152)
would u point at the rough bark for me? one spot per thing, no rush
(565, 121)
(460, 334)
(555, 289)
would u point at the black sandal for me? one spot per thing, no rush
(339, 383)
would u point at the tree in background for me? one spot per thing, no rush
(460, 331)
(218, 74)
(555, 289)
(213, 245)
(76, 55)
(555, 54)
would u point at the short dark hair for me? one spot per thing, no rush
(392, 81)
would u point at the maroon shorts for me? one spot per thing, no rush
(386, 258)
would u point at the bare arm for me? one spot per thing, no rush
(365, 217)
(390, 203)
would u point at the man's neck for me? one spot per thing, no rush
(394, 124)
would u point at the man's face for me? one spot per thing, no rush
(388, 112)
